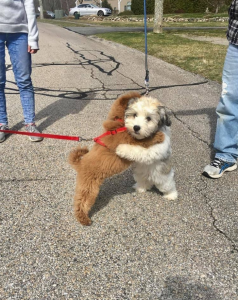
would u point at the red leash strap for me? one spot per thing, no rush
(112, 132)
(66, 137)
(45, 135)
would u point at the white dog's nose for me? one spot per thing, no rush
(136, 128)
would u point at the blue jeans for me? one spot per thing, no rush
(17, 44)
(226, 138)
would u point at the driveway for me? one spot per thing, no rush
(139, 246)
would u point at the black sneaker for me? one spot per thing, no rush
(217, 167)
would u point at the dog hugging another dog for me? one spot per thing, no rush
(136, 132)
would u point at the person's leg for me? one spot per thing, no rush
(3, 110)
(226, 137)
(17, 44)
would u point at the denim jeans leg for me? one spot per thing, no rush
(3, 110)
(226, 138)
(17, 44)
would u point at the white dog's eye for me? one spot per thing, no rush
(135, 115)
(148, 119)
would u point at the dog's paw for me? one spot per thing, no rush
(87, 222)
(81, 216)
(159, 137)
(121, 150)
(171, 196)
(112, 124)
(139, 189)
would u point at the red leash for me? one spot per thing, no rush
(112, 132)
(66, 137)
(47, 135)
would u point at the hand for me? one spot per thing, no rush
(32, 51)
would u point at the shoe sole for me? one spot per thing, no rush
(35, 140)
(232, 168)
(2, 140)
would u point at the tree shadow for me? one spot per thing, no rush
(72, 102)
(58, 110)
(181, 288)
(67, 94)
(212, 117)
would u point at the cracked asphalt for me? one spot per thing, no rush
(139, 246)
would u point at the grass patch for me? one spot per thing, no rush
(195, 24)
(193, 56)
(221, 33)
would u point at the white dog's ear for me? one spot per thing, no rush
(164, 118)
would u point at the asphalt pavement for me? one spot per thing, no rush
(140, 246)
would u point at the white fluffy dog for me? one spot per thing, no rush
(151, 166)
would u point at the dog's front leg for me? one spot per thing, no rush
(145, 155)
(130, 152)
(140, 154)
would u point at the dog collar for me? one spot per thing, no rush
(110, 132)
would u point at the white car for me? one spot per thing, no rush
(90, 9)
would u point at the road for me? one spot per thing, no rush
(139, 246)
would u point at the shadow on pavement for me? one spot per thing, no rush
(211, 115)
(117, 185)
(181, 288)
(58, 110)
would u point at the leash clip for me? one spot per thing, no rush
(147, 82)
(147, 87)
(86, 140)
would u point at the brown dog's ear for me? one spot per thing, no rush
(164, 118)
(132, 100)
(126, 98)
(118, 108)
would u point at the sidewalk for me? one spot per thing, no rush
(139, 245)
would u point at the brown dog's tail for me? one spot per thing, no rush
(76, 155)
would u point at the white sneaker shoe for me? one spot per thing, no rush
(218, 167)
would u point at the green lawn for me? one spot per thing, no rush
(221, 33)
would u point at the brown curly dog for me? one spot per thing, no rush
(101, 162)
